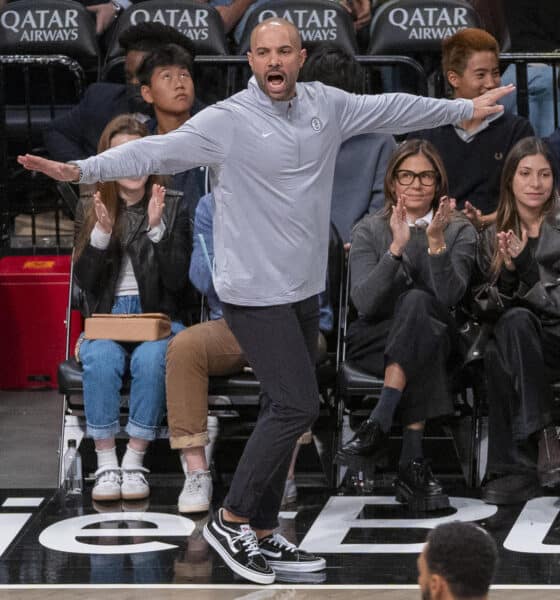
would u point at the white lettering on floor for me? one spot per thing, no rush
(532, 526)
(340, 514)
(62, 536)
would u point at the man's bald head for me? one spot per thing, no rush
(274, 22)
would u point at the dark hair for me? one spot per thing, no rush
(109, 189)
(146, 37)
(458, 48)
(404, 151)
(169, 55)
(333, 66)
(465, 555)
(507, 216)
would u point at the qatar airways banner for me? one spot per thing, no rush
(49, 26)
(201, 23)
(318, 21)
(404, 26)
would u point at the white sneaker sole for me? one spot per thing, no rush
(234, 565)
(297, 567)
(193, 508)
(100, 497)
(135, 495)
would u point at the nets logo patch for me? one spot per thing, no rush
(316, 124)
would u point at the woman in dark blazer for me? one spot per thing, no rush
(409, 266)
(522, 254)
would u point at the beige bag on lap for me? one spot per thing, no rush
(145, 327)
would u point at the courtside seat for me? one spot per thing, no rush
(415, 28)
(48, 51)
(318, 21)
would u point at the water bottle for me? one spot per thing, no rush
(73, 482)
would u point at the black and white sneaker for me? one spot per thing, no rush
(237, 544)
(284, 557)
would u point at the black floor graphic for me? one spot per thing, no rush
(365, 539)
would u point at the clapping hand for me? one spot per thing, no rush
(440, 220)
(104, 219)
(399, 228)
(510, 246)
(474, 215)
(156, 205)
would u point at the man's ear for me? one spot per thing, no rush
(250, 59)
(147, 94)
(302, 56)
(438, 586)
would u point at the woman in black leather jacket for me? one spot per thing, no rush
(522, 254)
(132, 256)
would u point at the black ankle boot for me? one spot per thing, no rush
(369, 440)
(417, 487)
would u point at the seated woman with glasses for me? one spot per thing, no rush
(409, 265)
(522, 254)
(132, 256)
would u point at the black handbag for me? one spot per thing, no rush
(488, 304)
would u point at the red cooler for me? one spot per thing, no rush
(33, 298)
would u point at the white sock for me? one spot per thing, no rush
(107, 458)
(132, 459)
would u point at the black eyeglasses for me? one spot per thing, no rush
(426, 178)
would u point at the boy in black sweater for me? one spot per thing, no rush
(474, 151)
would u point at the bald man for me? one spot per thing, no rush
(271, 150)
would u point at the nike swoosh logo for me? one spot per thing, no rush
(271, 554)
(265, 135)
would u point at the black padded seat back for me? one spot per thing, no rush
(417, 27)
(49, 27)
(201, 23)
(318, 21)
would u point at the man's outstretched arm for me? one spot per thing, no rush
(204, 140)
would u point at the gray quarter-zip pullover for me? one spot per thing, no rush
(271, 168)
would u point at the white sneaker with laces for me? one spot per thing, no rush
(134, 485)
(196, 494)
(107, 485)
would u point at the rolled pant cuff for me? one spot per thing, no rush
(143, 432)
(193, 440)
(103, 432)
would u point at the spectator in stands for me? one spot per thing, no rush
(271, 150)
(132, 253)
(473, 151)
(355, 191)
(77, 133)
(457, 562)
(166, 80)
(195, 354)
(523, 252)
(409, 266)
(533, 27)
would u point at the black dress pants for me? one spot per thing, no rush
(421, 337)
(280, 343)
(519, 363)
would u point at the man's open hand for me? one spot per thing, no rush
(57, 170)
(485, 105)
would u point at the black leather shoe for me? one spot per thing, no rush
(417, 487)
(369, 440)
(513, 488)
(548, 466)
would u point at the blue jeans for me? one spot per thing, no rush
(541, 98)
(105, 362)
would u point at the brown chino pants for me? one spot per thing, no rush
(193, 355)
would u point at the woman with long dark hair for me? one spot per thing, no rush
(409, 266)
(131, 256)
(522, 254)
